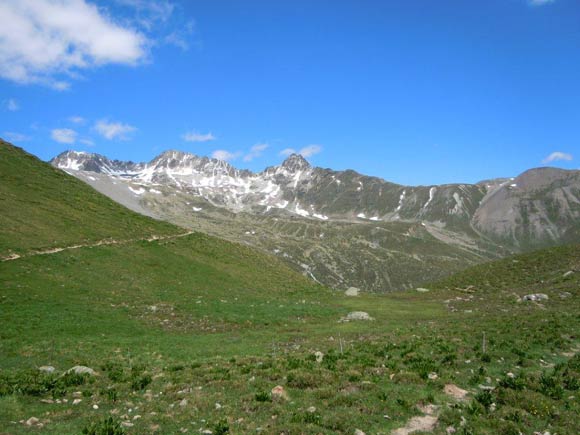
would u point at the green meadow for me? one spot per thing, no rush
(192, 334)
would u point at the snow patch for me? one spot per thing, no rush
(458, 203)
(300, 211)
(139, 191)
(401, 199)
(431, 196)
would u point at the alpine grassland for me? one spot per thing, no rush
(199, 335)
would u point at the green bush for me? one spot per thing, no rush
(108, 426)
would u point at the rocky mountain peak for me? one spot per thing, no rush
(295, 162)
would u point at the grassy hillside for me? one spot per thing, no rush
(194, 333)
(42, 207)
(191, 335)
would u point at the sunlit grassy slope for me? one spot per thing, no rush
(192, 334)
(43, 207)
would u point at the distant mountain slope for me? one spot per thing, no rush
(294, 187)
(42, 207)
(343, 228)
(540, 207)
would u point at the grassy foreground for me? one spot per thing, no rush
(192, 334)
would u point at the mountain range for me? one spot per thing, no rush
(343, 228)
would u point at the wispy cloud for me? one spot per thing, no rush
(11, 105)
(164, 14)
(87, 142)
(540, 2)
(225, 155)
(150, 11)
(307, 151)
(114, 130)
(287, 152)
(77, 119)
(12, 136)
(51, 41)
(310, 150)
(556, 156)
(255, 151)
(64, 135)
(181, 37)
(193, 136)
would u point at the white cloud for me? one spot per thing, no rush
(77, 119)
(193, 136)
(114, 130)
(540, 2)
(557, 155)
(310, 150)
(225, 155)
(287, 151)
(181, 37)
(255, 151)
(64, 135)
(307, 151)
(87, 142)
(50, 41)
(15, 137)
(165, 14)
(150, 11)
(12, 105)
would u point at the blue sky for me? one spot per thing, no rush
(413, 91)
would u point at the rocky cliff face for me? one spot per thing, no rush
(539, 207)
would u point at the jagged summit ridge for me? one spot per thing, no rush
(540, 205)
(295, 162)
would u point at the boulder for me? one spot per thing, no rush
(356, 315)
(47, 369)
(352, 291)
(279, 393)
(82, 370)
(455, 392)
(536, 297)
(32, 421)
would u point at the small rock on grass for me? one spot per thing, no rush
(319, 356)
(455, 392)
(32, 421)
(81, 370)
(352, 291)
(536, 297)
(279, 393)
(356, 315)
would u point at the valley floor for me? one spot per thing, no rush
(192, 335)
